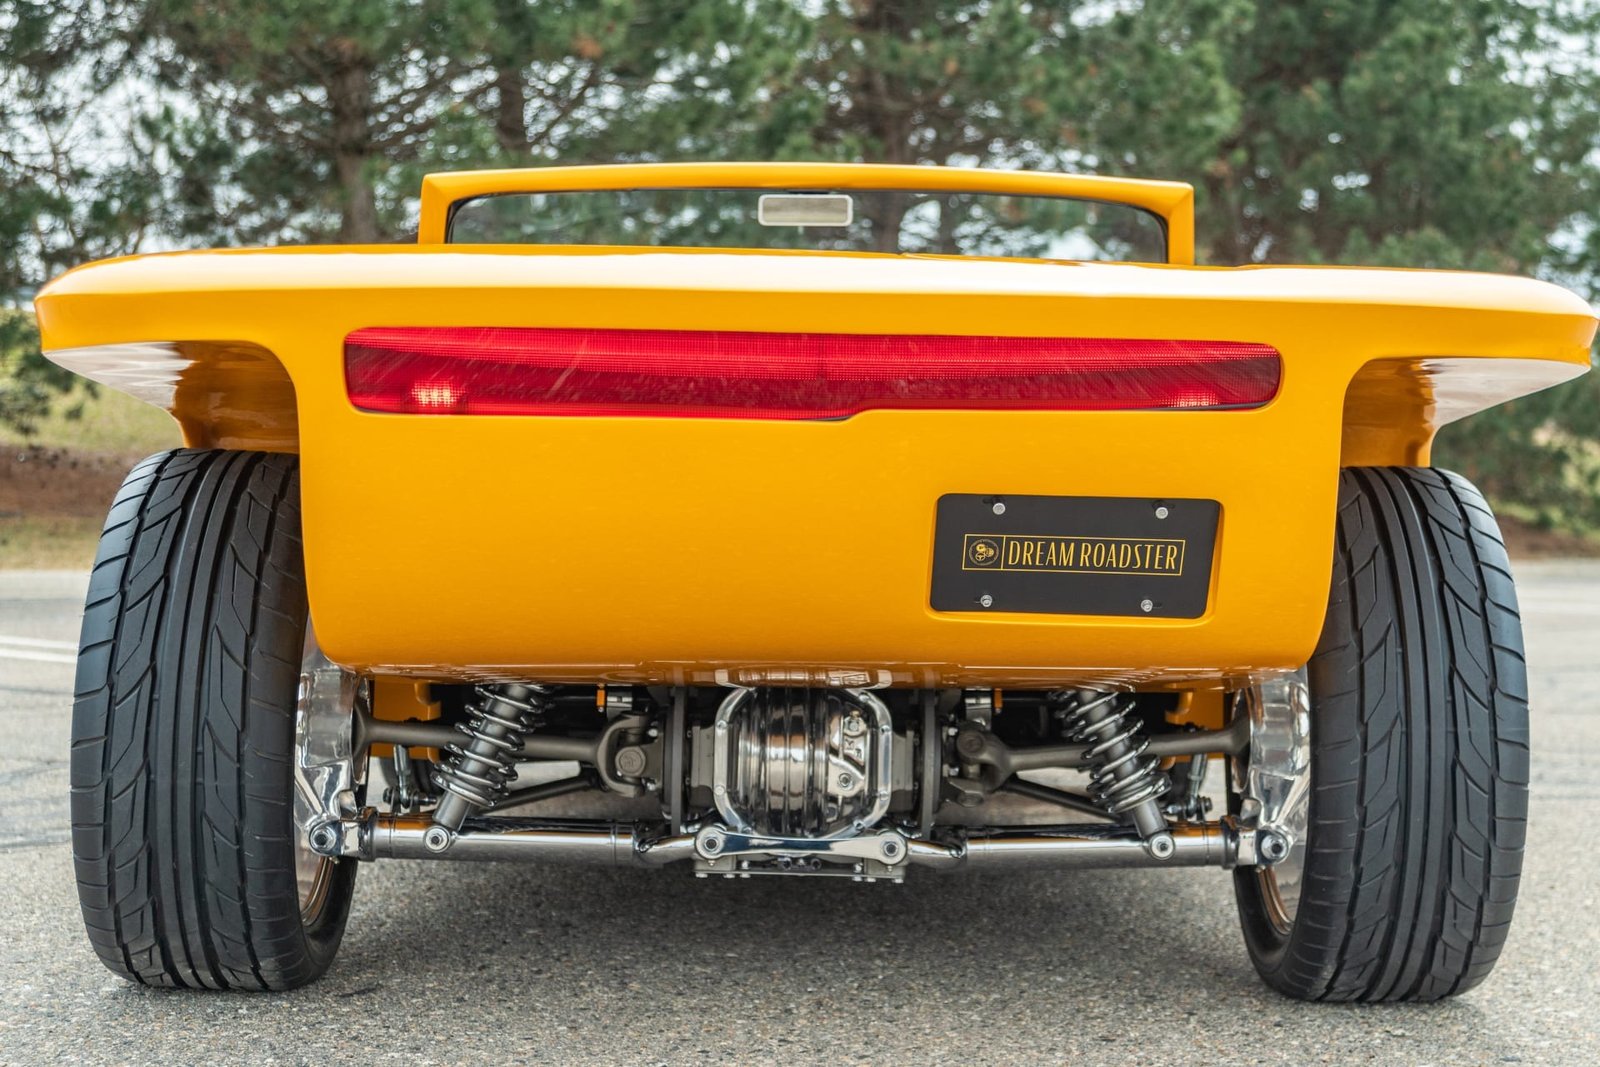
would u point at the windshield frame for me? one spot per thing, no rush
(1161, 221)
(1173, 201)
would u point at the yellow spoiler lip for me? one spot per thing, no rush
(442, 268)
(1173, 202)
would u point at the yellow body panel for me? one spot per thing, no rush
(669, 550)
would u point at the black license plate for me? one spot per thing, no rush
(1074, 555)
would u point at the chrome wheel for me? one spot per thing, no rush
(325, 775)
(1277, 786)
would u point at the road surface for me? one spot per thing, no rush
(502, 964)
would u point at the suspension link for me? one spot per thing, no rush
(474, 775)
(1124, 780)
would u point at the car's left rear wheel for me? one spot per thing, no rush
(192, 867)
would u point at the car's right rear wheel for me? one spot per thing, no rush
(1404, 885)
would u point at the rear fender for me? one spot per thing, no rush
(223, 394)
(1393, 408)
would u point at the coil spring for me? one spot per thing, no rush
(480, 771)
(1121, 776)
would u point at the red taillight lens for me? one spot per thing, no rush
(717, 374)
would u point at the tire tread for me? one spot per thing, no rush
(183, 729)
(1420, 752)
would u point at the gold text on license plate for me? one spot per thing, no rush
(1050, 554)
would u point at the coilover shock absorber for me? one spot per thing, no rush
(475, 775)
(1123, 780)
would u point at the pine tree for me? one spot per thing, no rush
(608, 80)
(314, 118)
(292, 114)
(1451, 133)
(1446, 132)
(76, 182)
(1007, 83)
(1426, 133)
(1014, 82)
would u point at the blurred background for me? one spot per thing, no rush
(1440, 133)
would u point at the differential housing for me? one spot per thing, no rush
(802, 762)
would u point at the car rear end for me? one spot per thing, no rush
(823, 559)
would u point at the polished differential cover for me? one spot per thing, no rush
(800, 762)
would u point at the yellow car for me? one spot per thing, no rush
(808, 520)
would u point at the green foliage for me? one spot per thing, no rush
(1008, 82)
(28, 381)
(1362, 125)
(109, 422)
(1447, 133)
(1540, 453)
(75, 180)
(308, 120)
(606, 80)
(1426, 133)
(287, 116)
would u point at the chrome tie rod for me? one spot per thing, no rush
(1221, 844)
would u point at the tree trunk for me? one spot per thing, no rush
(350, 101)
(881, 105)
(510, 111)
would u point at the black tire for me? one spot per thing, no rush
(183, 731)
(1419, 754)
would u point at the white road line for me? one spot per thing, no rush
(37, 657)
(1534, 612)
(39, 642)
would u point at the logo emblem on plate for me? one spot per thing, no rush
(982, 552)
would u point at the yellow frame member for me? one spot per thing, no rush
(1173, 202)
(686, 551)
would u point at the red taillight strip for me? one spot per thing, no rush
(724, 374)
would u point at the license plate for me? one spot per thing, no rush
(1074, 555)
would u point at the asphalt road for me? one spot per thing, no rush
(504, 964)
